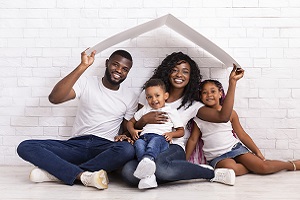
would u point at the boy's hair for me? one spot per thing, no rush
(217, 84)
(155, 82)
(123, 53)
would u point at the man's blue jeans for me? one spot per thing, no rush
(66, 159)
(150, 145)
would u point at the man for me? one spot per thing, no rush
(104, 106)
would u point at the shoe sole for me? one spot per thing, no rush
(101, 180)
(143, 185)
(144, 169)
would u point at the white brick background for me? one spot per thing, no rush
(41, 41)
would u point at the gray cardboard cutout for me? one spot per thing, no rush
(176, 25)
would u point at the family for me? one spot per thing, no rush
(147, 137)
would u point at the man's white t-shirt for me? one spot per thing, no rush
(186, 115)
(101, 110)
(174, 120)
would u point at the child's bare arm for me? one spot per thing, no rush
(243, 136)
(133, 132)
(192, 141)
(179, 132)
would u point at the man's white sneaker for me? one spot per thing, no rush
(224, 175)
(148, 182)
(97, 179)
(146, 167)
(38, 175)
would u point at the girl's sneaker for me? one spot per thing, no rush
(224, 175)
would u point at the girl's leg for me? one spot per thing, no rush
(230, 163)
(258, 166)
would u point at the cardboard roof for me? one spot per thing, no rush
(174, 24)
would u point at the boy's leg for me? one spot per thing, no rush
(140, 147)
(156, 144)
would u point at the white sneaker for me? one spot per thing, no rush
(146, 167)
(148, 182)
(38, 175)
(224, 175)
(96, 179)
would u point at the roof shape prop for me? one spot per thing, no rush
(176, 25)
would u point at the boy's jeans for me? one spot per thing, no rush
(150, 145)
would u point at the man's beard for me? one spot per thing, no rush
(109, 79)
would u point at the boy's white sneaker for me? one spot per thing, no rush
(148, 182)
(38, 175)
(96, 179)
(225, 176)
(146, 167)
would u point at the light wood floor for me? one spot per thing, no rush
(14, 184)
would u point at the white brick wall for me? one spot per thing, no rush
(41, 41)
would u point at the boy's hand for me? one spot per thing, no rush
(136, 134)
(168, 136)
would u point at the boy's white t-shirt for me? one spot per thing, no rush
(101, 110)
(185, 114)
(173, 122)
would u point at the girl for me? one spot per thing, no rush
(222, 148)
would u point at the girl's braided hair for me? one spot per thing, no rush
(217, 84)
(164, 70)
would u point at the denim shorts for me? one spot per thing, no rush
(237, 149)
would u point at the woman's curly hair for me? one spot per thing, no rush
(191, 90)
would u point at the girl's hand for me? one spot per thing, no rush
(236, 73)
(259, 154)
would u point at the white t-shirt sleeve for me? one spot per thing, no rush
(79, 86)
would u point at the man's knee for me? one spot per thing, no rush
(127, 149)
(24, 148)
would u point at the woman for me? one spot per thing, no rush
(182, 77)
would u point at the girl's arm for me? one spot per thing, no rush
(213, 115)
(243, 136)
(192, 141)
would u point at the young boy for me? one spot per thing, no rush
(154, 138)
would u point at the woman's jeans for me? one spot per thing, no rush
(66, 159)
(150, 145)
(171, 165)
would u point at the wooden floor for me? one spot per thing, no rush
(14, 184)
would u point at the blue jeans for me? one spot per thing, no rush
(171, 165)
(65, 159)
(150, 145)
